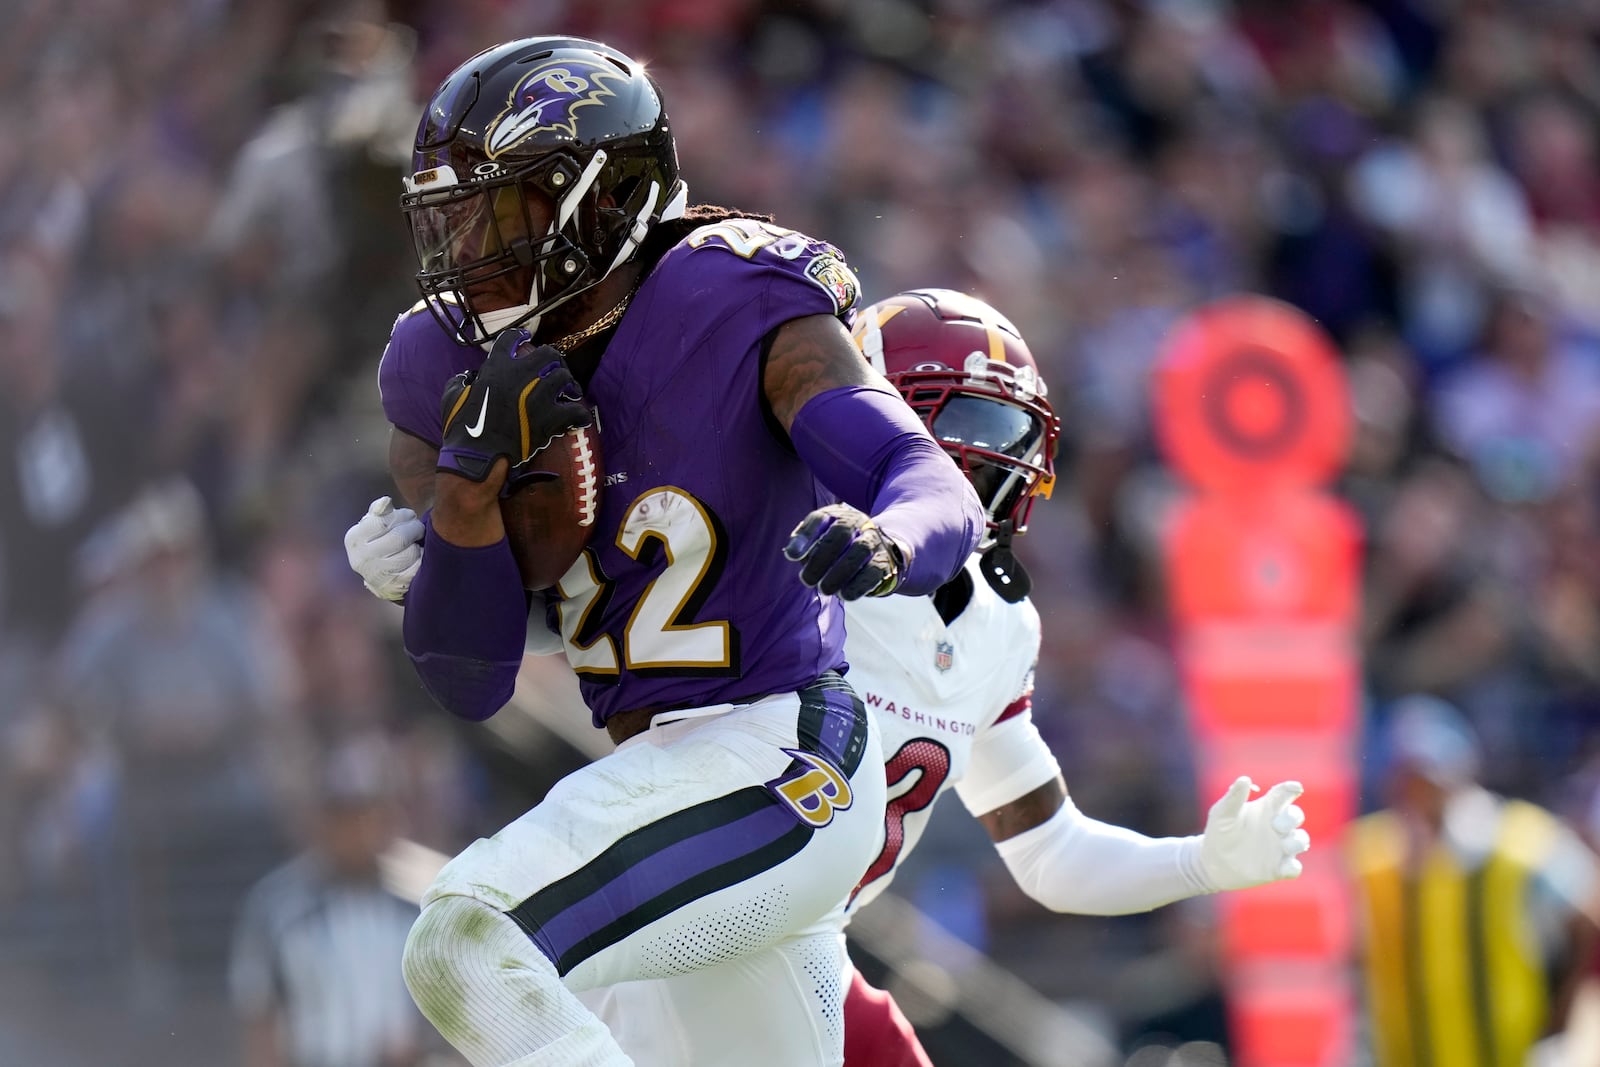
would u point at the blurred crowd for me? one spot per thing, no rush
(201, 254)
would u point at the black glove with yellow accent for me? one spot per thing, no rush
(845, 553)
(514, 404)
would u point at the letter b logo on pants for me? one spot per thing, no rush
(812, 788)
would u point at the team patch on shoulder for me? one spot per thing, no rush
(836, 279)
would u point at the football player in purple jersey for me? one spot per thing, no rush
(742, 434)
(948, 680)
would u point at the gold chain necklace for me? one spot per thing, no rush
(604, 322)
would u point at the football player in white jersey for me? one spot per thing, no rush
(949, 677)
(949, 680)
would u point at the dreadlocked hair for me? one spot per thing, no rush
(664, 235)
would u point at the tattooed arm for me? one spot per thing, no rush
(807, 357)
(871, 451)
(411, 465)
(470, 516)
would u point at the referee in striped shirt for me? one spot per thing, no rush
(315, 971)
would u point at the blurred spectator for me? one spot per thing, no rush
(1458, 221)
(171, 669)
(347, 679)
(276, 211)
(1326, 257)
(67, 449)
(1437, 614)
(58, 819)
(298, 219)
(1477, 911)
(315, 970)
(1566, 604)
(1552, 148)
(1389, 428)
(1525, 412)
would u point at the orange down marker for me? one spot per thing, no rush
(1253, 412)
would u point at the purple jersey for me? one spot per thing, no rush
(418, 363)
(683, 597)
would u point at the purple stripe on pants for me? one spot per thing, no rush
(629, 877)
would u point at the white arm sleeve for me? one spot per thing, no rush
(1073, 863)
(1009, 760)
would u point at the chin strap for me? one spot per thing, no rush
(1003, 570)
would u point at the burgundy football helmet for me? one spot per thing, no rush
(967, 372)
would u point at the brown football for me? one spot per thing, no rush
(549, 522)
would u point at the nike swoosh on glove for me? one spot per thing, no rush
(520, 399)
(845, 553)
(1247, 844)
(385, 549)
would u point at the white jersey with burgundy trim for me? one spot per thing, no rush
(952, 704)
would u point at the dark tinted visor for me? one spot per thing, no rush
(454, 233)
(999, 486)
(990, 425)
(457, 231)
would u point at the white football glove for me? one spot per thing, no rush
(385, 548)
(1253, 843)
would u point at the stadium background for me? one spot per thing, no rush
(200, 257)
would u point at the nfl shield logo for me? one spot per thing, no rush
(944, 653)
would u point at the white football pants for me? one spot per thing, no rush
(722, 840)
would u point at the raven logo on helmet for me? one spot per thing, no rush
(547, 98)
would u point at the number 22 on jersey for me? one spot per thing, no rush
(660, 636)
